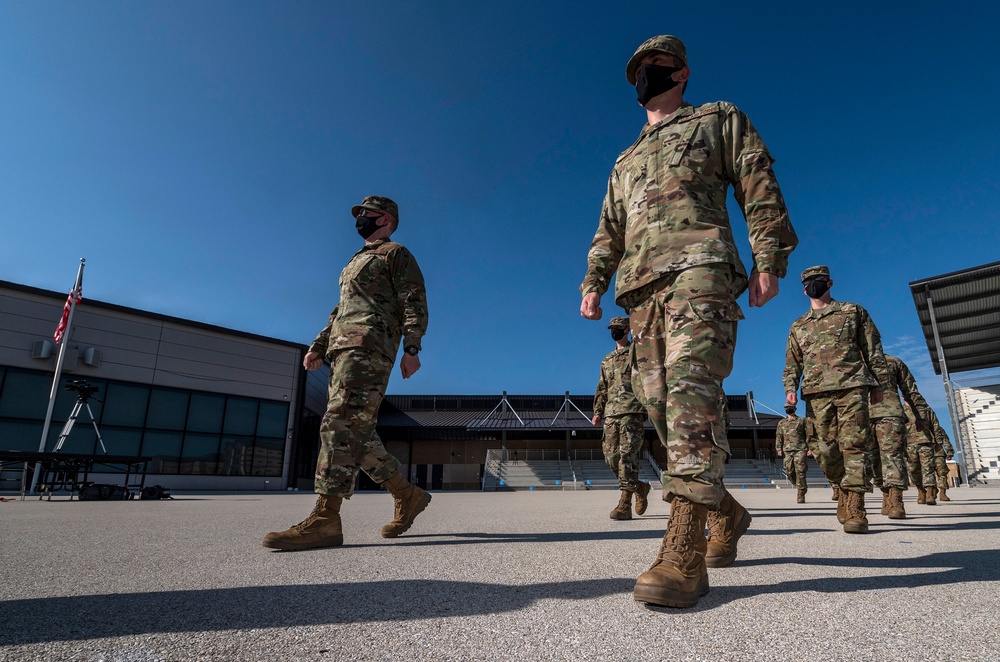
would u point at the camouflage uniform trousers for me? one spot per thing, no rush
(920, 461)
(838, 423)
(348, 441)
(623, 437)
(685, 335)
(888, 452)
(941, 469)
(795, 468)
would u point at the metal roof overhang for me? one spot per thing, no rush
(966, 311)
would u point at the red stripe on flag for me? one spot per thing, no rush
(68, 306)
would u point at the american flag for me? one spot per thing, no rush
(76, 294)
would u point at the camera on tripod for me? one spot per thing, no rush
(83, 388)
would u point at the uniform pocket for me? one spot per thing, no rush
(714, 309)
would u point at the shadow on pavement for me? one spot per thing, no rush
(944, 568)
(40, 620)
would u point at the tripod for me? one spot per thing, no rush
(81, 402)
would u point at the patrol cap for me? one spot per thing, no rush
(618, 323)
(664, 43)
(813, 272)
(376, 203)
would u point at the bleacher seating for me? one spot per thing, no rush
(979, 411)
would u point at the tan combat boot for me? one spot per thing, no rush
(896, 509)
(921, 495)
(857, 518)
(641, 502)
(623, 510)
(725, 527)
(943, 494)
(410, 502)
(678, 576)
(800, 496)
(841, 505)
(931, 499)
(885, 500)
(836, 493)
(321, 529)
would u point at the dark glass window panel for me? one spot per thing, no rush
(66, 401)
(20, 435)
(272, 420)
(26, 395)
(121, 441)
(200, 454)
(268, 456)
(241, 416)
(164, 448)
(167, 409)
(236, 456)
(205, 414)
(82, 438)
(125, 404)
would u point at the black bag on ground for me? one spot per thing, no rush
(99, 492)
(155, 492)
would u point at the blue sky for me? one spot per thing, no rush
(203, 157)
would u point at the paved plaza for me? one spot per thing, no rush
(490, 576)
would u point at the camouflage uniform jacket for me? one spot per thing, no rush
(665, 208)
(382, 298)
(790, 437)
(615, 395)
(932, 434)
(832, 349)
(900, 379)
(941, 440)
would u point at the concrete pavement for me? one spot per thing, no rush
(523, 575)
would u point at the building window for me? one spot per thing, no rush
(187, 432)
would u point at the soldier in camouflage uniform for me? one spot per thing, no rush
(664, 228)
(943, 452)
(888, 456)
(790, 443)
(920, 453)
(836, 351)
(623, 416)
(933, 458)
(382, 299)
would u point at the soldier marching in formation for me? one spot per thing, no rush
(790, 443)
(665, 230)
(382, 300)
(834, 349)
(888, 455)
(616, 404)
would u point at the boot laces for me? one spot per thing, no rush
(312, 516)
(679, 536)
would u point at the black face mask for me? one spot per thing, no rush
(618, 334)
(366, 225)
(816, 288)
(652, 80)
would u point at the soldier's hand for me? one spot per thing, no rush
(595, 421)
(779, 453)
(809, 453)
(590, 308)
(409, 365)
(875, 396)
(312, 361)
(763, 287)
(791, 398)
